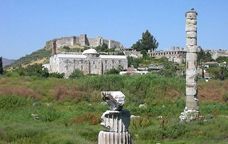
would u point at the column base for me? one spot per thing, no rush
(114, 138)
(189, 115)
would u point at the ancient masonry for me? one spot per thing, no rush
(116, 120)
(191, 111)
(89, 62)
(83, 41)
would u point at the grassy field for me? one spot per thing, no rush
(58, 111)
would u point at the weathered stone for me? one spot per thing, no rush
(82, 40)
(191, 49)
(191, 34)
(114, 138)
(116, 120)
(192, 28)
(191, 41)
(191, 111)
(89, 62)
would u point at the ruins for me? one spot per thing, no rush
(89, 62)
(191, 111)
(175, 54)
(83, 41)
(116, 120)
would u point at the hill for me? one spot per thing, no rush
(7, 62)
(40, 56)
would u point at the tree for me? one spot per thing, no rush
(1, 66)
(33, 70)
(102, 48)
(203, 56)
(76, 74)
(148, 42)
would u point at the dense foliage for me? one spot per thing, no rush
(147, 42)
(76, 74)
(203, 56)
(113, 71)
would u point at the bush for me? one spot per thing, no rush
(33, 70)
(47, 114)
(112, 71)
(76, 74)
(8, 102)
(56, 75)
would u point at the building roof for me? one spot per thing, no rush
(113, 56)
(90, 51)
(70, 56)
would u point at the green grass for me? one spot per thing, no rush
(59, 111)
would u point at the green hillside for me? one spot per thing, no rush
(40, 56)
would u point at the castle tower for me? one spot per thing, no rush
(54, 47)
(83, 40)
(191, 111)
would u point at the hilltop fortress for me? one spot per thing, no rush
(81, 40)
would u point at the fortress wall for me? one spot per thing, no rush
(94, 42)
(115, 44)
(105, 41)
(49, 44)
(82, 40)
(65, 41)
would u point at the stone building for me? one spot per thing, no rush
(176, 54)
(83, 41)
(89, 62)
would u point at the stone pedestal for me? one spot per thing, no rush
(114, 138)
(116, 120)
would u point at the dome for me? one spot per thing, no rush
(89, 51)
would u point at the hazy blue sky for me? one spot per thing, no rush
(25, 25)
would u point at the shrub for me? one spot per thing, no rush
(140, 122)
(56, 75)
(76, 74)
(33, 70)
(112, 71)
(47, 114)
(8, 102)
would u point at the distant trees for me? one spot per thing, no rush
(36, 70)
(33, 70)
(102, 48)
(203, 56)
(147, 42)
(1, 66)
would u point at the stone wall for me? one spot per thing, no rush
(88, 64)
(176, 54)
(82, 40)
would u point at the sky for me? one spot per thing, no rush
(26, 25)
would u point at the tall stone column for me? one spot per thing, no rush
(191, 110)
